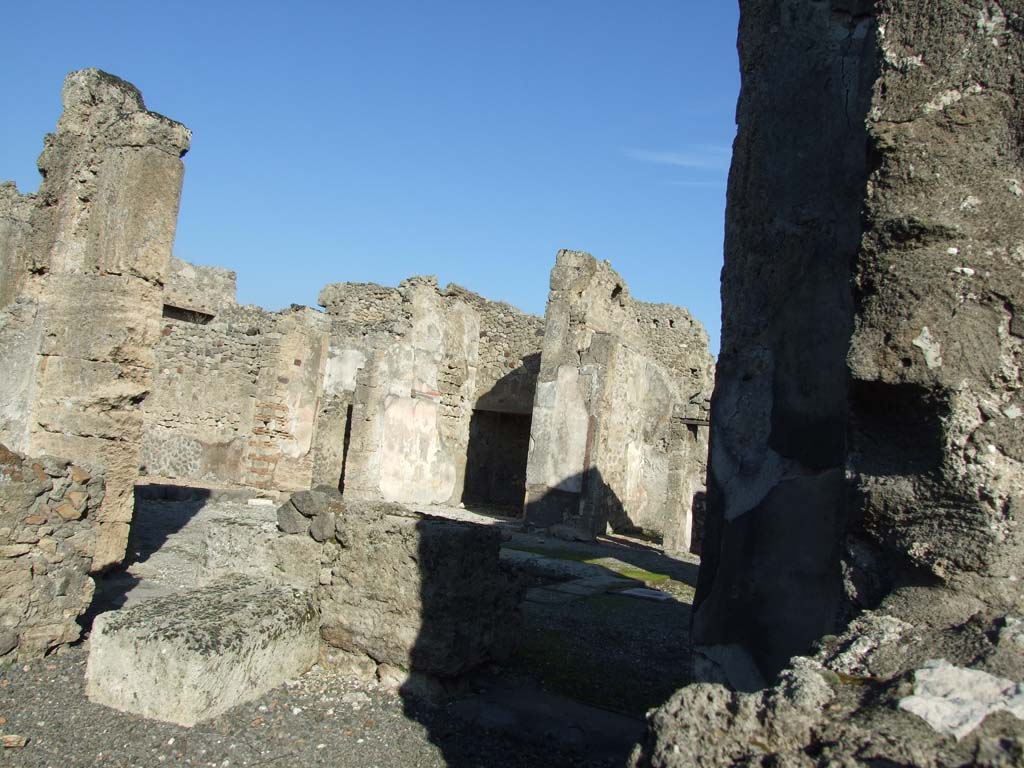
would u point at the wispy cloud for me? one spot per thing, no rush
(701, 184)
(708, 158)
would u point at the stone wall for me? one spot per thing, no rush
(509, 355)
(620, 415)
(244, 396)
(87, 256)
(207, 290)
(49, 512)
(236, 388)
(413, 399)
(15, 236)
(400, 591)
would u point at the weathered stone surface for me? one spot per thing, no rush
(421, 594)
(868, 349)
(290, 520)
(862, 448)
(192, 656)
(707, 725)
(48, 513)
(412, 401)
(619, 426)
(85, 258)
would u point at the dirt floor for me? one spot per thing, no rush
(594, 655)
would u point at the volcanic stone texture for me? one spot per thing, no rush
(865, 446)
(863, 422)
(48, 510)
(83, 262)
(191, 656)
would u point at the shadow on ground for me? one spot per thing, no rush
(160, 512)
(590, 660)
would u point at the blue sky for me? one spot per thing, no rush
(373, 140)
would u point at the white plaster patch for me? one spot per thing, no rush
(954, 701)
(950, 97)
(342, 369)
(930, 347)
(560, 413)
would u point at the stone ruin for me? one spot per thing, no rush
(619, 432)
(859, 593)
(49, 511)
(421, 395)
(146, 369)
(82, 265)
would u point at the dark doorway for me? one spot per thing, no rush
(344, 447)
(496, 459)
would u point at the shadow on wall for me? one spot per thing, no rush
(499, 440)
(513, 392)
(469, 617)
(496, 460)
(148, 534)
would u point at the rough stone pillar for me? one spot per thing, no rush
(412, 402)
(102, 228)
(863, 423)
(618, 380)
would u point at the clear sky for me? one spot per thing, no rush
(378, 139)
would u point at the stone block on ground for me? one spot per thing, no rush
(191, 656)
(421, 594)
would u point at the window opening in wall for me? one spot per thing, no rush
(183, 315)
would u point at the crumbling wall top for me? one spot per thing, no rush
(599, 301)
(99, 104)
(206, 289)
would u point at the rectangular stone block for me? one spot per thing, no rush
(189, 657)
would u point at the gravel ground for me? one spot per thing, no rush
(321, 719)
(617, 653)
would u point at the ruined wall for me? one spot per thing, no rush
(413, 395)
(48, 537)
(509, 355)
(91, 260)
(863, 424)
(359, 316)
(236, 388)
(207, 290)
(620, 382)
(15, 234)
(396, 589)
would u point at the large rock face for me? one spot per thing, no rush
(863, 421)
(83, 262)
(865, 450)
(48, 511)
